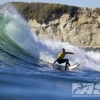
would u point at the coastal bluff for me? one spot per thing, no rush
(77, 25)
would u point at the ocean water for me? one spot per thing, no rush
(26, 72)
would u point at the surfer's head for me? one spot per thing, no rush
(63, 50)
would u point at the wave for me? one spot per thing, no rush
(16, 37)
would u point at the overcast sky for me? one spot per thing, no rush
(80, 3)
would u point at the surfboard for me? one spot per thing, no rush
(61, 67)
(73, 66)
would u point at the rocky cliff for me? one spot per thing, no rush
(76, 25)
(82, 30)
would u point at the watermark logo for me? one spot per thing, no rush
(85, 89)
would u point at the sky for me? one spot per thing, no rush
(79, 3)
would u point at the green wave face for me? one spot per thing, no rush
(14, 33)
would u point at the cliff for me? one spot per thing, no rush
(76, 25)
(82, 30)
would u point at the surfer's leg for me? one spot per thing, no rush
(67, 61)
(60, 61)
(67, 64)
(66, 67)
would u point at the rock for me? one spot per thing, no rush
(83, 30)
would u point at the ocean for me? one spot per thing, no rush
(26, 71)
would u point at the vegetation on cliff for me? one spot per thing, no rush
(42, 11)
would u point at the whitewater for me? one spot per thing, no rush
(26, 70)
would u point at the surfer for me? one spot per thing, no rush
(60, 59)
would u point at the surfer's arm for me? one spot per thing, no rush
(69, 53)
(54, 62)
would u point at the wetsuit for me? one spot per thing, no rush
(60, 59)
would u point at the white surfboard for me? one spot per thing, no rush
(73, 66)
(61, 67)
